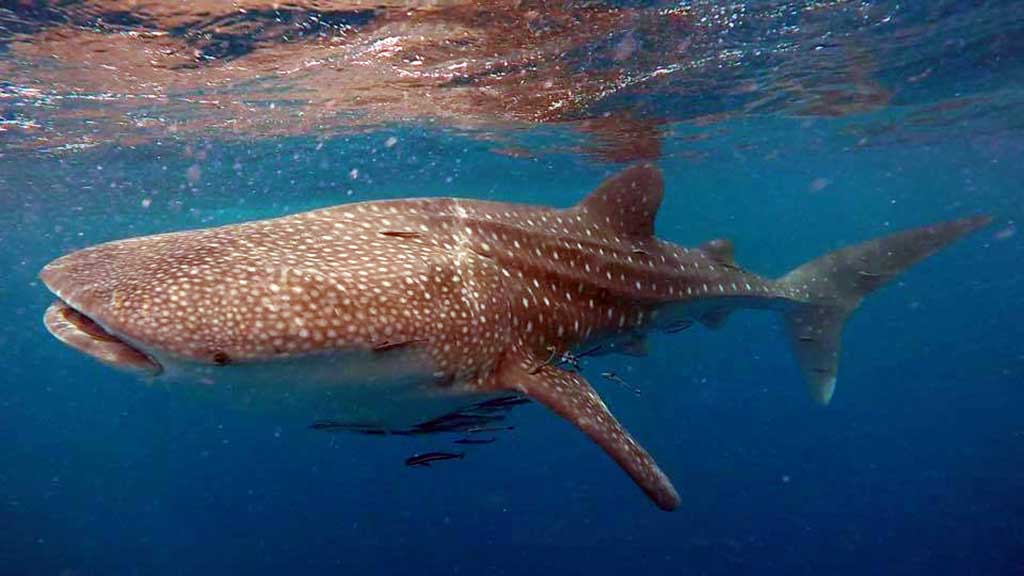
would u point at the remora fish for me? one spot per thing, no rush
(477, 293)
(426, 459)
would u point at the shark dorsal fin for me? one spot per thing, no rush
(570, 396)
(720, 250)
(626, 202)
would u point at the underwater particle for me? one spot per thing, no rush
(819, 184)
(146, 202)
(193, 174)
(353, 173)
(918, 77)
(625, 48)
(391, 141)
(1006, 233)
(785, 478)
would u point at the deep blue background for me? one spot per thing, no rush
(915, 468)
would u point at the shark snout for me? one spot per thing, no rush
(79, 319)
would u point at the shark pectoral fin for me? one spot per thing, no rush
(570, 396)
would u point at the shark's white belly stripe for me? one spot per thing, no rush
(389, 390)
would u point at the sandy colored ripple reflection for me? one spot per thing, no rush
(98, 72)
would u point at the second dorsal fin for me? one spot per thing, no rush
(720, 250)
(626, 202)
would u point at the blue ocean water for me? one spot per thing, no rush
(916, 467)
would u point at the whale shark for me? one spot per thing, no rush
(403, 311)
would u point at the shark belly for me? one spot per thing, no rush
(362, 388)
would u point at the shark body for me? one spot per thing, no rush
(404, 310)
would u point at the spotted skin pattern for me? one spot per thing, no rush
(304, 284)
(477, 295)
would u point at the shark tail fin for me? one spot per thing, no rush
(832, 286)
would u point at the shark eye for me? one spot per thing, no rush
(220, 358)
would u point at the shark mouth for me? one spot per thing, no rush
(84, 334)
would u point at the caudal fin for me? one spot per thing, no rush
(833, 286)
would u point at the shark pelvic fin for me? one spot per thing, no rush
(626, 202)
(834, 285)
(570, 396)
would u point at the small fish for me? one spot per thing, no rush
(426, 458)
(475, 440)
(502, 402)
(333, 426)
(478, 429)
(618, 380)
(679, 326)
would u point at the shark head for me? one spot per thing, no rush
(83, 317)
(207, 298)
(357, 292)
(81, 332)
(354, 313)
(275, 315)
